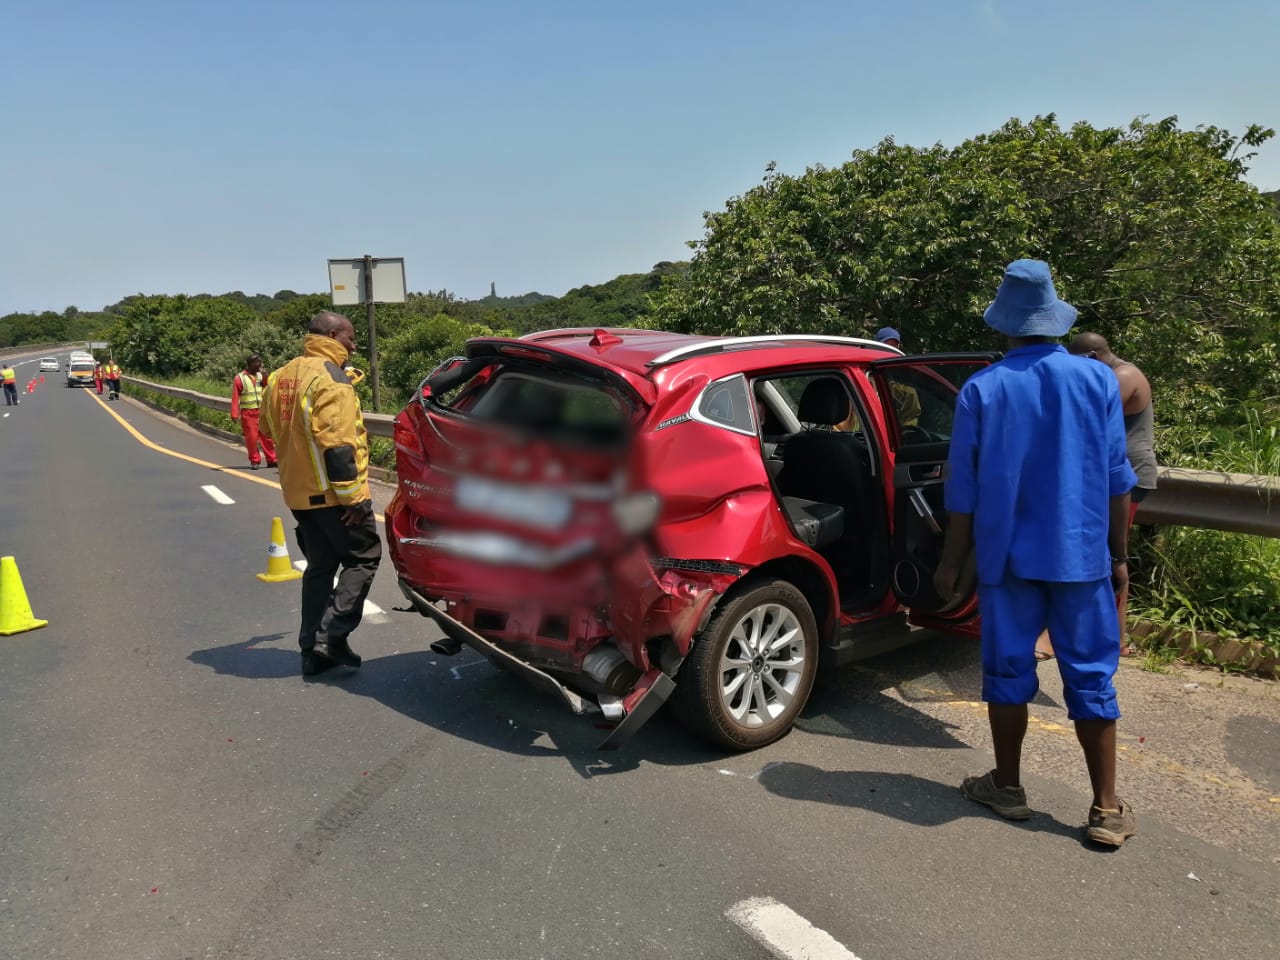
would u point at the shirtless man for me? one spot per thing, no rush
(1139, 428)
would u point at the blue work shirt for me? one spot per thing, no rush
(1037, 452)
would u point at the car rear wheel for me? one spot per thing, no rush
(751, 669)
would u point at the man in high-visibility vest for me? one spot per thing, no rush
(10, 377)
(98, 377)
(311, 410)
(113, 372)
(246, 400)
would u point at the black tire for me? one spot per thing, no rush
(705, 699)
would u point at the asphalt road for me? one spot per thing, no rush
(171, 788)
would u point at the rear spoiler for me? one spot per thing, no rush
(482, 352)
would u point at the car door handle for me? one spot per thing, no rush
(916, 496)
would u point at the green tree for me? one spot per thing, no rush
(416, 350)
(176, 334)
(17, 329)
(276, 345)
(623, 301)
(1151, 230)
(294, 314)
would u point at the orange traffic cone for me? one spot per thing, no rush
(42, 378)
(15, 609)
(279, 569)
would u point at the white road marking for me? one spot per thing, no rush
(371, 610)
(473, 663)
(784, 933)
(217, 495)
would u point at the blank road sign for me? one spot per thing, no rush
(346, 281)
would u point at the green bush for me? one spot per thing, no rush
(1208, 580)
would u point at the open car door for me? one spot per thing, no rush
(919, 399)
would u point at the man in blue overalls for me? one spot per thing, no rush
(1039, 487)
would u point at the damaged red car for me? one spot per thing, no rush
(627, 517)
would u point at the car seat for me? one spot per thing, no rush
(829, 467)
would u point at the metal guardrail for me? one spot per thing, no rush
(378, 424)
(32, 349)
(1207, 499)
(1210, 500)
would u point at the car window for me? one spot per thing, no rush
(923, 398)
(791, 388)
(570, 411)
(727, 403)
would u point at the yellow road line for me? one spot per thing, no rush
(152, 445)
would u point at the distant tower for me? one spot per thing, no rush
(493, 289)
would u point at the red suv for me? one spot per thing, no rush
(624, 516)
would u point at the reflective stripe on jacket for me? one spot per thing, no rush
(246, 392)
(311, 410)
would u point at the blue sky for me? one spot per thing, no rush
(182, 146)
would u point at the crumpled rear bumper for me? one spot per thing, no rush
(648, 694)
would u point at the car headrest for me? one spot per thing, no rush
(824, 402)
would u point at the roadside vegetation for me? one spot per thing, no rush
(1152, 231)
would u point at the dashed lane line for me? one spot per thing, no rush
(217, 495)
(152, 445)
(784, 933)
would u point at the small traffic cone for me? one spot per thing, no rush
(42, 378)
(279, 569)
(15, 609)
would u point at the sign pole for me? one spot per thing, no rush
(373, 331)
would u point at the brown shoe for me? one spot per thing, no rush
(1112, 827)
(1009, 802)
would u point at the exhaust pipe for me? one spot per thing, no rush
(446, 646)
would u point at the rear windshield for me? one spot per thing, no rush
(564, 409)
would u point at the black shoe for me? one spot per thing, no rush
(315, 663)
(339, 652)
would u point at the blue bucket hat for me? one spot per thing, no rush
(1026, 305)
(888, 333)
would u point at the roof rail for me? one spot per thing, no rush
(727, 343)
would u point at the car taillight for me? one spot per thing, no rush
(406, 439)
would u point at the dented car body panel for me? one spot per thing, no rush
(584, 502)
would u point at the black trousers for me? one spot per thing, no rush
(10, 394)
(331, 612)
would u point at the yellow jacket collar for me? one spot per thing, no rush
(326, 347)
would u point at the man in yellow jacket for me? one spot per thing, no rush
(311, 410)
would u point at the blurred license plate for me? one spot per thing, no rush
(546, 509)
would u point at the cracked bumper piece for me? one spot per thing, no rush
(463, 634)
(633, 711)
